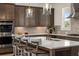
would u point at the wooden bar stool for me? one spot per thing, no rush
(36, 50)
(15, 45)
(27, 48)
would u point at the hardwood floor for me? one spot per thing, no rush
(8, 54)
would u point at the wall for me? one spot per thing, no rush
(58, 18)
(75, 26)
(58, 12)
(33, 4)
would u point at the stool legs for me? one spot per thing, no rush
(14, 50)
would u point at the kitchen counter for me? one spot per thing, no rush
(46, 34)
(58, 44)
(55, 44)
(64, 36)
(57, 41)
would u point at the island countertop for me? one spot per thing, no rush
(58, 44)
(57, 35)
(64, 36)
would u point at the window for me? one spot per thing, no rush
(66, 22)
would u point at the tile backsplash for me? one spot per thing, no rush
(30, 30)
(35, 30)
(75, 26)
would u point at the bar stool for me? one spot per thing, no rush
(36, 50)
(23, 48)
(27, 49)
(15, 45)
(15, 49)
(20, 48)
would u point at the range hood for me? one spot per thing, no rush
(74, 11)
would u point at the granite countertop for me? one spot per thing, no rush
(46, 34)
(75, 38)
(55, 43)
(58, 43)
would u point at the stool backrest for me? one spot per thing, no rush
(36, 42)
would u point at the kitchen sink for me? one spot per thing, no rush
(53, 39)
(56, 40)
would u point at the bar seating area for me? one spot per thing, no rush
(21, 48)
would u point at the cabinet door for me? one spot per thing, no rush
(7, 11)
(20, 15)
(2, 11)
(46, 20)
(51, 17)
(10, 12)
(31, 20)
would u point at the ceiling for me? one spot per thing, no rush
(33, 4)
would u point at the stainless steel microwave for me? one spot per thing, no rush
(6, 26)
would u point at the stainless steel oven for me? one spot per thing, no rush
(6, 26)
(6, 30)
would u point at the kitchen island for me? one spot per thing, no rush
(55, 46)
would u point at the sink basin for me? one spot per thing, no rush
(55, 40)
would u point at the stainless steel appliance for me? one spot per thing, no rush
(6, 30)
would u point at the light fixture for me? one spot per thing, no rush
(29, 12)
(47, 9)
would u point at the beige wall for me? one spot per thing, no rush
(75, 26)
(58, 12)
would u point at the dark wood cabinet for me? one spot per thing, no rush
(46, 20)
(20, 15)
(31, 21)
(7, 11)
(37, 18)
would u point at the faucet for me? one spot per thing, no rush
(49, 30)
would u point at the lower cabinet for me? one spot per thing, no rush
(71, 51)
(63, 53)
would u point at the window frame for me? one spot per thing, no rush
(63, 20)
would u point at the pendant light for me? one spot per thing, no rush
(29, 11)
(47, 9)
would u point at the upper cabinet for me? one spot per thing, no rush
(45, 20)
(37, 18)
(31, 21)
(7, 11)
(19, 15)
